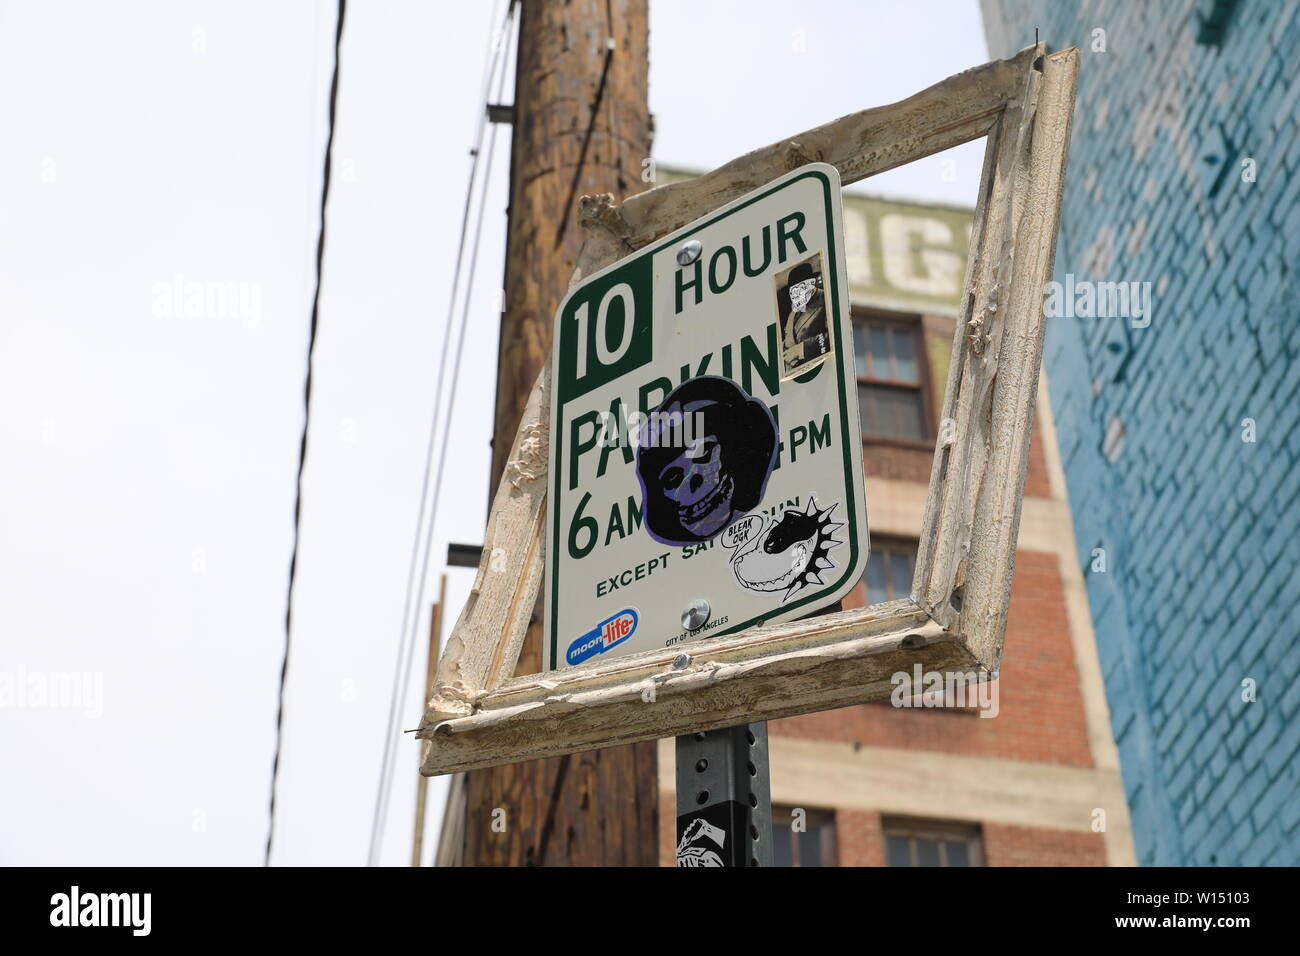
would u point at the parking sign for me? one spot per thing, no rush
(705, 454)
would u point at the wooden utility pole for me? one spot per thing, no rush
(581, 126)
(422, 784)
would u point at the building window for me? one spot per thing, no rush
(891, 378)
(889, 570)
(931, 843)
(813, 844)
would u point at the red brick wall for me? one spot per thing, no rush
(897, 462)
(1036, 846)
(1040, 717)
(859, 836)
(900, 461)
(859, 840)
(1036, 484)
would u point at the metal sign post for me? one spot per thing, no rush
(724, 798)
(726, 768)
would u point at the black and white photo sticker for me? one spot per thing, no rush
(803, 318)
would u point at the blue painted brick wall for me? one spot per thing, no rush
(1201, 529)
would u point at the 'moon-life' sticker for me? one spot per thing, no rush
(785, 554)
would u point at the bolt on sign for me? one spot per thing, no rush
(705, 455)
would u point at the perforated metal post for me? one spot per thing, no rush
(724, 793)
(724, 798)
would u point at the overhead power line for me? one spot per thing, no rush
(306, 422)
(422, 543)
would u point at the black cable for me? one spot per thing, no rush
(302, 449)
(567, 211)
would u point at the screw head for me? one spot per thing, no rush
(696, 614)
(681, 661)
(689, 251)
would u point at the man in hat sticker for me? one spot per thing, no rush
(801, 307)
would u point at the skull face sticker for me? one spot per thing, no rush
(791, 553)
(801, 294)
(703, 458)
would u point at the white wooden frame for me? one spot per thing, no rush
(480, 715)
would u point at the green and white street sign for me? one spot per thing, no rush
(705, 455)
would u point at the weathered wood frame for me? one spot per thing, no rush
(480, 715)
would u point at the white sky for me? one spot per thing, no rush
(147, 484)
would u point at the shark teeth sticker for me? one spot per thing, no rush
(788, 554)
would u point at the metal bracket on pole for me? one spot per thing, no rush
(724, 798)
(503, 113)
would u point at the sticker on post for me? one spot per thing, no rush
(788, 554)
(703, 458)
(693, 849)
(801, 308)
(608, 633)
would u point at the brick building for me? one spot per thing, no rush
(879, 784)
(1181, 428)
